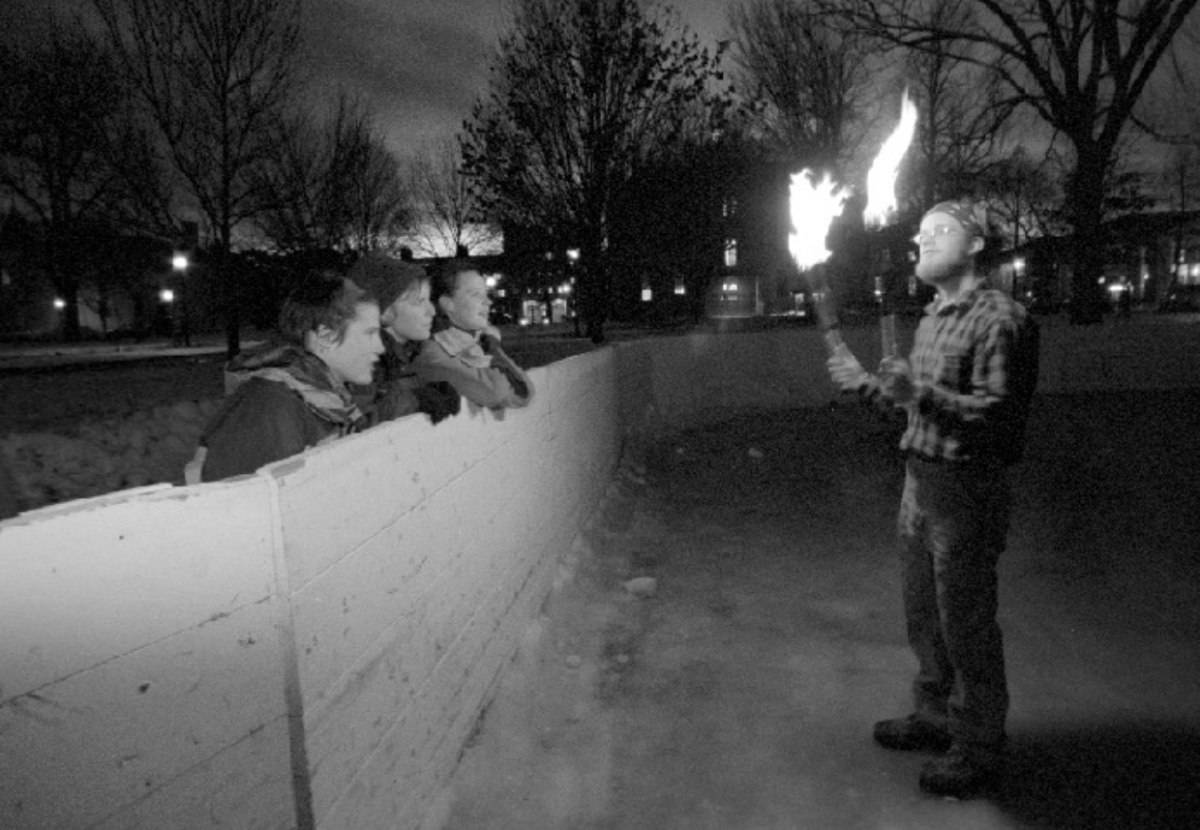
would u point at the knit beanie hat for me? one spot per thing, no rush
(968, 214)
(385, 278)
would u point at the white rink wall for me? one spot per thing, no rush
(140, 663)
(306, 647)
(310, 647)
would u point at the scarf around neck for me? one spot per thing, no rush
(303, 373)
(463, 345)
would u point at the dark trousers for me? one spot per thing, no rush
(953, 522)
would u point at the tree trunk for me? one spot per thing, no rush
(594, 294)
(1086, 199)
(230, 302)
(66, 284)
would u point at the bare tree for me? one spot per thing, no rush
(1082, 68)
(1180, 176)
(300, 208)
(1024, 193)
(1180, 180)
(963, 115)
(213, 76)
(805, 80)
(377, 203)
(332, 186)
(63, 148)
(580, 90)
(449, 212)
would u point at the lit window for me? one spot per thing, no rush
(730, 253)
(647, 295)
(679, 286)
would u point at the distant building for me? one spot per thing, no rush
(1145, 255)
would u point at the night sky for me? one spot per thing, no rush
(423, 62)
(419, 63)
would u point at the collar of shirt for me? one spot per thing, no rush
(961, 303)
(464, 346)
(456, 341)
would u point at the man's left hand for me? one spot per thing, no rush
(897, 379)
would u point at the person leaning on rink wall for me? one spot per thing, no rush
(406, 317)
(465, 348)
(966, 391)
(294, 394)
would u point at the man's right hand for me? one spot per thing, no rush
(438, 399)
(847, 372)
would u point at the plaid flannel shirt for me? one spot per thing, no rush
(975, 367)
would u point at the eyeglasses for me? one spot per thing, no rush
(935, 231)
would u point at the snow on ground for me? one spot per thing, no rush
(70, 432)
(740, 694)
(88, 419)
(740, 691)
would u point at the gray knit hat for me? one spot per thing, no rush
(385, 278)
(968, 214)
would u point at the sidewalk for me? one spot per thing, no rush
(742, 692)
(53, 355)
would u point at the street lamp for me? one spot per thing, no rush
(572, 306)
(1018, 289)
(180, 263)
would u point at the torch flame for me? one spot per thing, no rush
(881, 180)
(814, 207)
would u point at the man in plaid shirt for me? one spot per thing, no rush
(966, 389)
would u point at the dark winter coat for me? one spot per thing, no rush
(285, 401)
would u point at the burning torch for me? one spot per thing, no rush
(881, 195)
(814, 206)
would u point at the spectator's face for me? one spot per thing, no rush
(469, 305)
(353, 359)
(410, 317)
(946, 249)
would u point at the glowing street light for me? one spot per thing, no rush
(180, 263)
(59, 303)
(166, 295)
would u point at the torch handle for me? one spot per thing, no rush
(836, 345)
(887, 332)
(826, 313)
